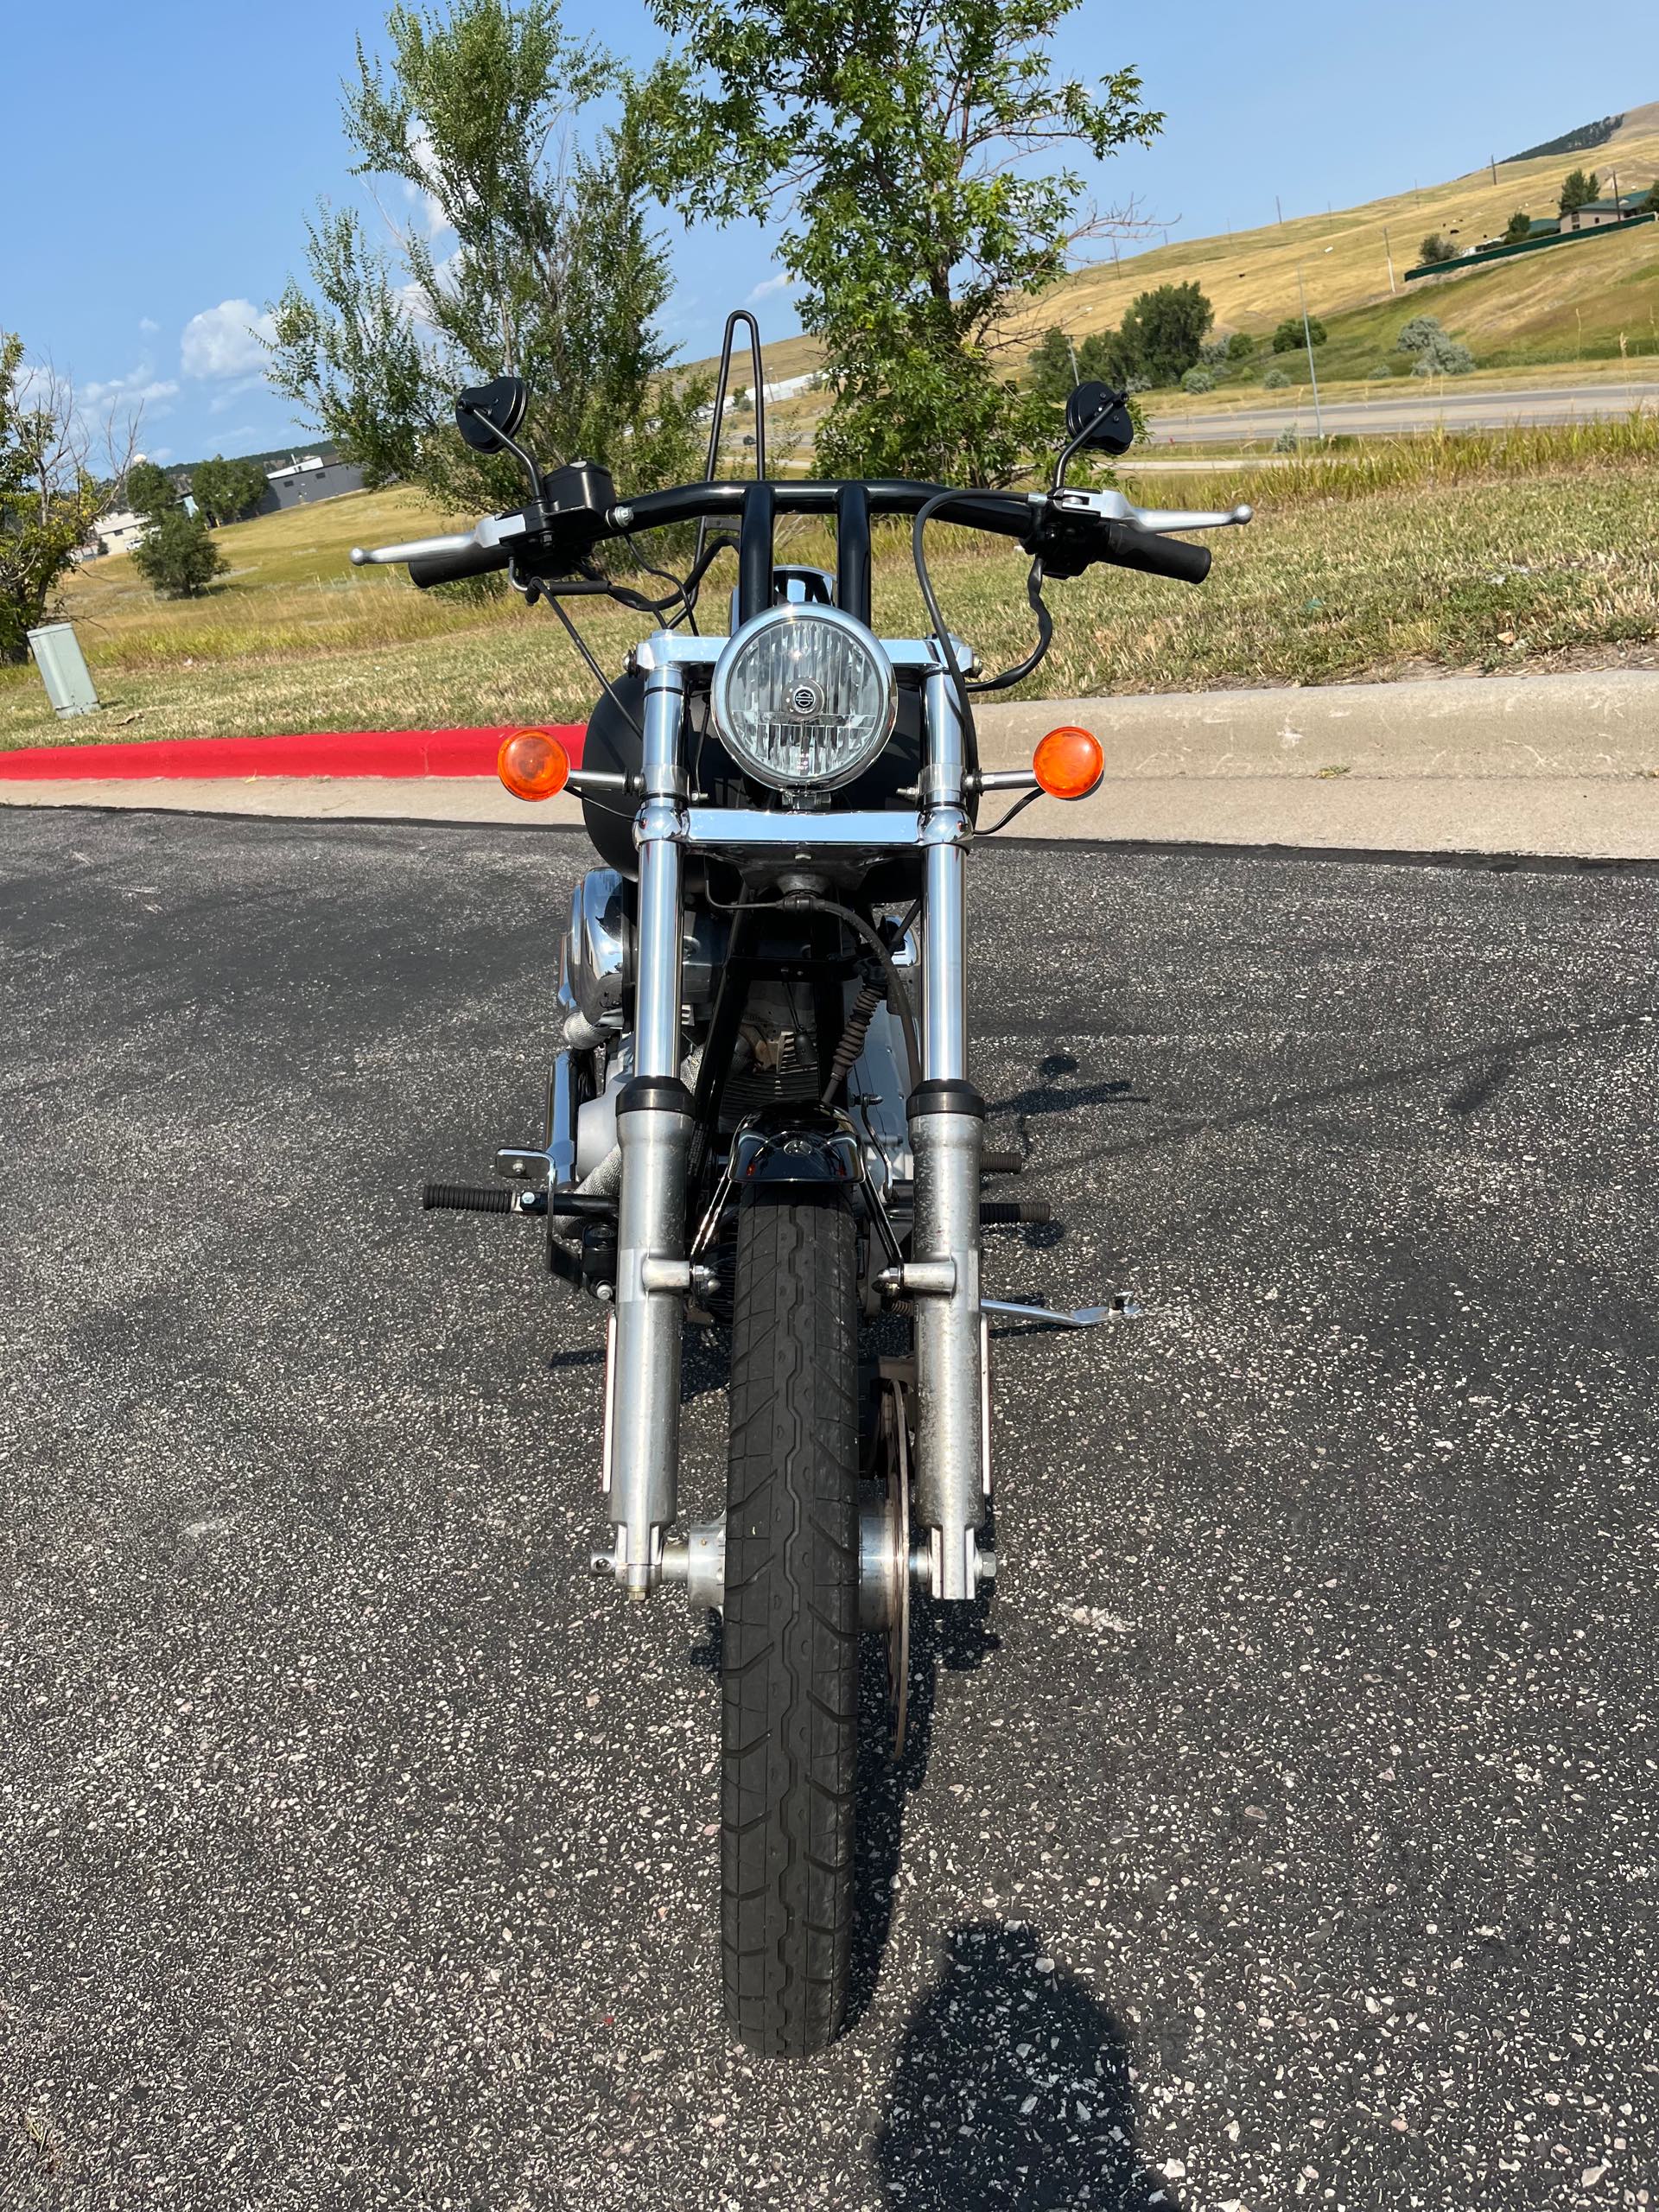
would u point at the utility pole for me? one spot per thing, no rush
(1388, 252)
(1077, 374)
(1278, 210)
(1492, 158)
(1314, 374)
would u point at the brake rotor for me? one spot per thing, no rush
(895, 1456)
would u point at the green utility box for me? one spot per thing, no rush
(63, 670)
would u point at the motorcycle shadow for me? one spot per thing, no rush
(955, 1639)
(1011, 2087)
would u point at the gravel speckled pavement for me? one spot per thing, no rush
(1286, 1829)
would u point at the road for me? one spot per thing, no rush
(1285, 1831)
(1442, 405)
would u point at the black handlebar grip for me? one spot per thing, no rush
(1125, 547)
(454, 567)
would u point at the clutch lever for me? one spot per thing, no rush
(493, 530)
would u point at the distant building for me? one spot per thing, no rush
(304, 479)
(118, 532)
(1598, 214)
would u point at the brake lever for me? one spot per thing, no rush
(1112, 506)
(492, 530)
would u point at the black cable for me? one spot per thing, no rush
(1033, 659)
(1019, 807)
(924, 514)
(900, 996)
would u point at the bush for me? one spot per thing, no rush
(1132, 385)
(1290, 334)
(1519, 225)
(1198, 380)
(1241, 345)
(1213, 354)
(1445, 358)
(1437, 247)
(1421, 332)
(177, 555)
(1287, 441)
(1381, 370)
(1276, 379)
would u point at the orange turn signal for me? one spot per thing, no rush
(1069, 763)
(532, 765)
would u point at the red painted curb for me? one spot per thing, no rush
(337, 752)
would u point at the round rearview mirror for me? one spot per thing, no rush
(1098, 417)
(487, 414)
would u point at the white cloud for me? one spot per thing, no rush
(223, 341)
(148, 327)
(783, 281)
(142, 388)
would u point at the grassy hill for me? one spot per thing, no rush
(1571, 303)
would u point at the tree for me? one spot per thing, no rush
(225, 490)
(1290, 335)
(1578, 190)
(555, 274)
(150, 491)
(1240, 346)
(177, 555)
(49, 496)
(907, 140)
(1162, 331)
(1520, 226)
(1437, 247)
(1650, 205)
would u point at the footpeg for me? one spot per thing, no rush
(484, 1198)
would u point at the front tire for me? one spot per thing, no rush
(789, 1702)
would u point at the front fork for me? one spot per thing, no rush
(654, 1130)
(654, 1125)
(946, 1125)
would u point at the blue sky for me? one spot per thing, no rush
(206, 132)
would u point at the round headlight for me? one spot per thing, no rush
(804, 696)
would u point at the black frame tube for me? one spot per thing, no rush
(853, 551)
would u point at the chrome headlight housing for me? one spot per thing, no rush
(803, 697)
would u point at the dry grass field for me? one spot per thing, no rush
(1596, 302)
(1535, 549)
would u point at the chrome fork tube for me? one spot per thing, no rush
(946, 1119)
(654, 1130)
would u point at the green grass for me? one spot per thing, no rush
(1519, 551)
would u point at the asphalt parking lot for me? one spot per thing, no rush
(1285, 1833)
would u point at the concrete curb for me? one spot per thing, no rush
(1556, 766)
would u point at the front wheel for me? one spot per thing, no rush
(790, 1703)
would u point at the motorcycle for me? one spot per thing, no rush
(761, 1116)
